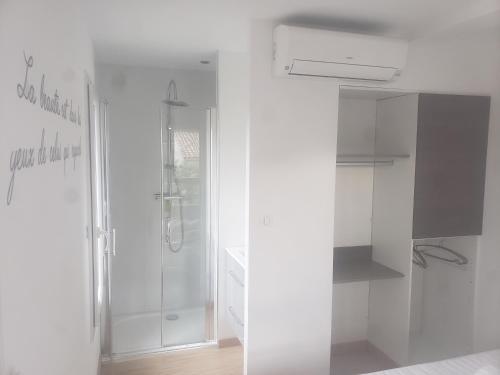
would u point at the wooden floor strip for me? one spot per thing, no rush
(205, 361)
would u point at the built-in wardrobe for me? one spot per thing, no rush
(409, 207)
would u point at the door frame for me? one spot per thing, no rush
(100, 237)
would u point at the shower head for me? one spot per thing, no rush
(172, 99)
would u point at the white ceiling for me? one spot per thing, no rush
(180, 33)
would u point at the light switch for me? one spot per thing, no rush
(267, 220)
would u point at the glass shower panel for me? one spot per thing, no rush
(187, 290)
(136, 277)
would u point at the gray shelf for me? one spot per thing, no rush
(368, 160)
(355, 263)
(371, 157)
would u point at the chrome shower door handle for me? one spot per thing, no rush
(168, 234)
(102, 233)
(109, 243)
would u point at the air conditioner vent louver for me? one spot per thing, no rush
(319, 53)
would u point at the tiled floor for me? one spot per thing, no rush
(359, 358)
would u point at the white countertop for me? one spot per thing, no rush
(239, 254)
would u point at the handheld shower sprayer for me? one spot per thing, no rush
(172, 101)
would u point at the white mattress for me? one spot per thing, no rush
(486, 363)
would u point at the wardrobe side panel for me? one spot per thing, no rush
(389, 301)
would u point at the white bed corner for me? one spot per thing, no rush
(485, 363)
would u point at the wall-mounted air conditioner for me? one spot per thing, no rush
(300, 51)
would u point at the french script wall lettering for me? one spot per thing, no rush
(76, 152)
(27, 90)
(50, 100)
(50, 149)
(28, 157)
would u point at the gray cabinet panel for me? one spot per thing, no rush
(450, 166)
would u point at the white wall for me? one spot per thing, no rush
(134, 95)
(350, 312)
(353, 206)
(44, 271)
(292, 181)
(487, 325)
(354, 185)
(356, 132)
(233, 120)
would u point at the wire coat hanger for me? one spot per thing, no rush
(458, 258)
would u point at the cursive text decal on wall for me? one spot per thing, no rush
(50, 103)
(28, 157)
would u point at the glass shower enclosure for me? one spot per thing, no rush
(163, 274)
(188, 262)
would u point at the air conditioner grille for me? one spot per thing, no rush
(341, 70)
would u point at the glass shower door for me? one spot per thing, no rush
(186, 241)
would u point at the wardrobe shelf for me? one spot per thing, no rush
(352, 264)
(362, 271)
(362, 159)
(372, 156)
